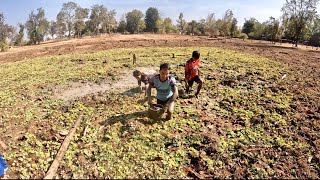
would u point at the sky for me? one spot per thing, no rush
(17, 11)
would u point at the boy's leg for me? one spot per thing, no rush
(199, 82)
(162, 103)
(190, 84)
(170, 111)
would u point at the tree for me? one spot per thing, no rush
(122, 25)
(226, 23)
(109, 21)
(98, 14)
(80, 16)
(61, 26)
(211, 25)
(233, 27)
(3, 29)
(37, 26)
(220, 28)
(102, 19)
(141, 26)
(11, 30)
(314, 32)
(248, 26)
(193, 28)
(298, 14)
(6, 31)
(19, 36)
(133, 20)
(68, 16)
(258, 30)
(181, 23)
(166, 26)
(273, 30)
(151, 19)
(52, 28)
(202, 26)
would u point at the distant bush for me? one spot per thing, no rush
(3, 46)
(206, 34)
(243, 36)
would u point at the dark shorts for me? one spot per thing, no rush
(162, 102)
(170, 105)
(195, 79)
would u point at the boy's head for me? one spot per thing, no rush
(164, 71)
(195, 55)
(137, 74)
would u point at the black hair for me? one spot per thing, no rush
(136, 73)
(196, 54)
(164, 66)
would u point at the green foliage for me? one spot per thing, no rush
(211, 26)
(298, 14)
(258, 31)
(248, 26)
(193, 28)
(3, 46)
(37, 26)
(242, 118)
(6, 31)
(61, 25)
(19, 37)
(151, 19)
(122, 25)
(52, 28)
(228, 23)
(181, 23)
(234, 28)
(98, 14)
(80, 15)
(243, 36)
(273, 30)
(66, 18)
(133, 19)
(101, 20)
(166, 26)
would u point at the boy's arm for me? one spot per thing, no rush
(151, 84)
(174, 89)
(139, 84)
(186, 73)
(186, 76)
(175, 94)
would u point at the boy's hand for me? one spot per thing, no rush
(164, 108)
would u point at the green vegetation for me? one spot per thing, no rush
(240, 127)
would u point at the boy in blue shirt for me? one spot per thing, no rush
(167, 90)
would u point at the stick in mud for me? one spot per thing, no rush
(63, 148)
(134, 59)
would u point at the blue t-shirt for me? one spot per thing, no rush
(164, 89)
(3, 166)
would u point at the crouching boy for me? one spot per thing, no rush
(167, 90)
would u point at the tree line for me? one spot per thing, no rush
(299, 22)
